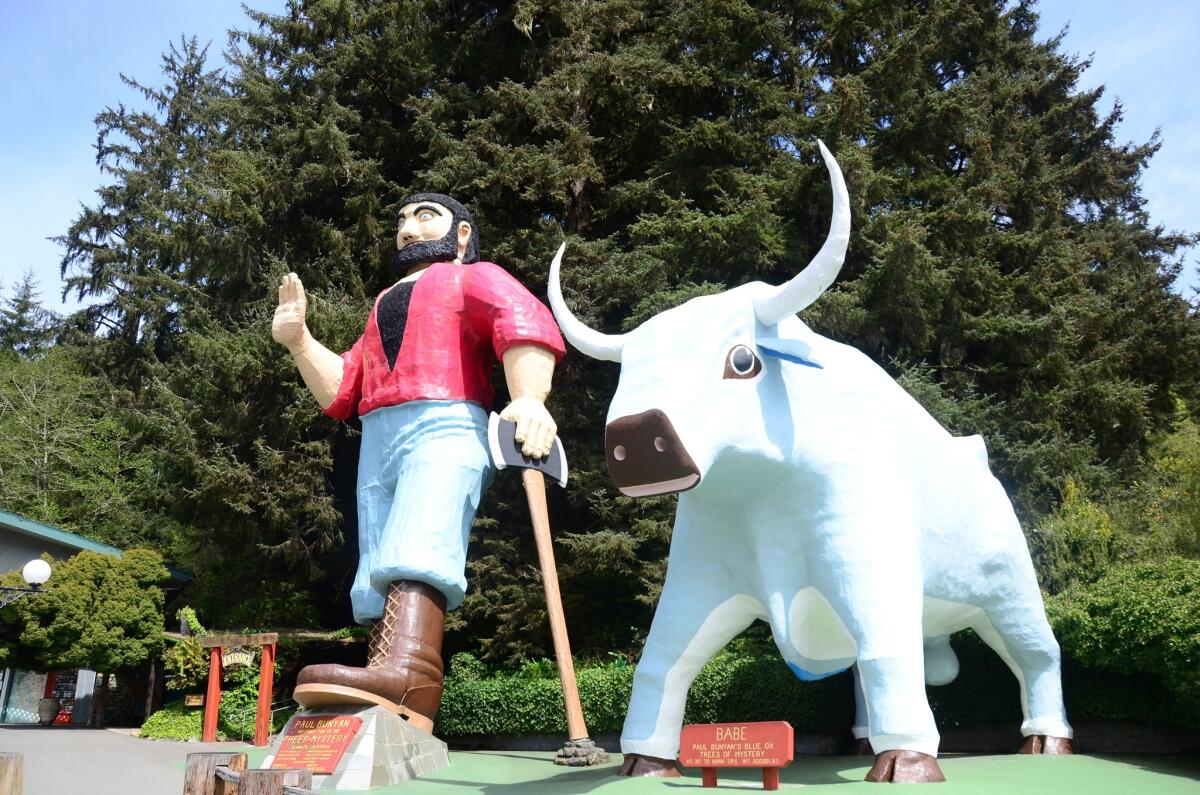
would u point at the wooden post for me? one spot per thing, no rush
(212, 701)
(771, 778)
(271, 782)
(200, 776)
(708, 775)
(266, 677)
(11, 773)
(101, 708)
(154, 687)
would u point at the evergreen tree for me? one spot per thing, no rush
(26, 327)
(1002, 262)
(68, 457)
(139, 254)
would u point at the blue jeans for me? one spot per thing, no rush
(421, 470)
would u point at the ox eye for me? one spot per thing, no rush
(741, 362)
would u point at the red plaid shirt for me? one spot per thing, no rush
(461, 318)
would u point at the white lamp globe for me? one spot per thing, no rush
(36, 571)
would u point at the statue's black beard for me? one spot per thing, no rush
(425, 251)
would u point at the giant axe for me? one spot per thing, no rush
(506, 452)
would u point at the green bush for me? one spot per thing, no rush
(1077, 543)
(188, 616)
(1142, 621)
(735, 685)
(519, 703)
(239, 706)
(1169, 494)
(186, 663)
(239, 703)
(1131, 651)
(174, 722)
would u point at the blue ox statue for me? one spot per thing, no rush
(819, 497)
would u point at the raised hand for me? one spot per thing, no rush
(288, 327)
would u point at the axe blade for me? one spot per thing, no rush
(506, 451)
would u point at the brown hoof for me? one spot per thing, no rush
(905, 767)
(862, 747)
(638, 765)
(1042, 744)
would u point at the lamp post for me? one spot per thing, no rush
(36, 572)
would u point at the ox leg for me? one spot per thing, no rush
(877, 591)
(696, 617)
(1020, 634)
(861, 728)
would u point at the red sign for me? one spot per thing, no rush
(316, 743)
(768, 744)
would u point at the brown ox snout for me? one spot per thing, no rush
(645, 455)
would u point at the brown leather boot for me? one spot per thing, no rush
(404, 655)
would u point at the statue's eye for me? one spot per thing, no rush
(741, 362)
(426, 216)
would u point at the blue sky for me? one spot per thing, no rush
(61, 62)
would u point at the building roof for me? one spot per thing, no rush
(57, 535)
(38, 529)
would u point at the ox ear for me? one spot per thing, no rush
(795, 351)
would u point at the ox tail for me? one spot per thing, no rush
(941, 663)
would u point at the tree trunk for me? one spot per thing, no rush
(154, 687)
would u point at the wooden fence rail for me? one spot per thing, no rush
(226, 774)
(11, 773)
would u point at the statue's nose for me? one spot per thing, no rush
(646, 456)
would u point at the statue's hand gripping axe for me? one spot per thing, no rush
(506, 452)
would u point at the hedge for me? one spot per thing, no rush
(1142, 622)
(173, 722)
(1131, 649)
(735, 685)
(239, 706)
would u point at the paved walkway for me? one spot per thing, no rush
(106, 762)
(78, 761)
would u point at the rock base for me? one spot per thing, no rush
(386, 750)
(580, 753)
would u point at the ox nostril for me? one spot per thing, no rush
(619, 452)
(660, 444)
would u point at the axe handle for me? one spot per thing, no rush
(535, 490)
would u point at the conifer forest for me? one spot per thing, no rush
(1002, 266)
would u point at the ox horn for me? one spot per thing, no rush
(807, 286)
(589, 341)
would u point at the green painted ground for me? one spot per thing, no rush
(517, 772)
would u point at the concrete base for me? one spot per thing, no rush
(386, 750)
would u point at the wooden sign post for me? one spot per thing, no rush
(708, 746)
(212, 698)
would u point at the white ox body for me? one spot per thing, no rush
(833, 507)
(820, 497)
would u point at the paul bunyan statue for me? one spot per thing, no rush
(420, 379)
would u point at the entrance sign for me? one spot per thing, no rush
(316, 743)
(767, 744)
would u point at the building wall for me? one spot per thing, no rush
(26, 689)
(17, 549)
